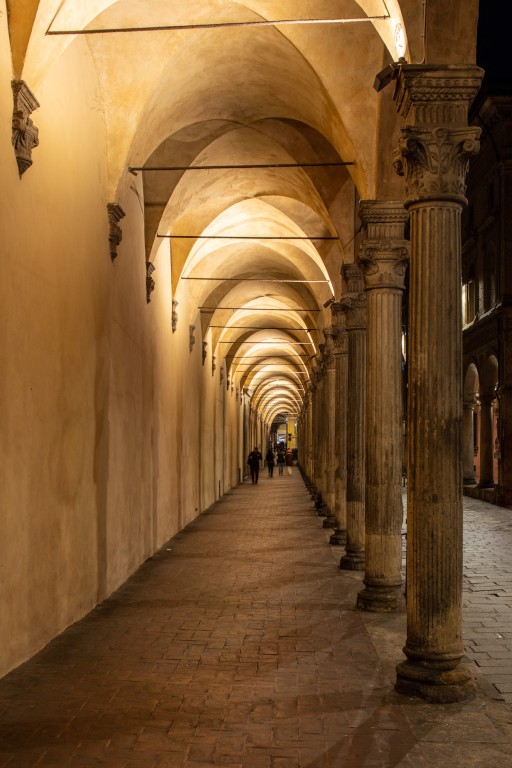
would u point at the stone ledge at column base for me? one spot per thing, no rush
(439, 686)
(353, 561)
(488, 494)
(329, 521)
(381, 599)
(338, 538)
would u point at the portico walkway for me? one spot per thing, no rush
(238, 645)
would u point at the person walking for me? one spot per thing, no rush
(254, 464)
(281, 458)
(270, 459)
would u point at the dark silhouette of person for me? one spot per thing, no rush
(254, 464)
(269, 458)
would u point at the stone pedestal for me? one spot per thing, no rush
(339, 537)
(354, 306)
(434, 150)
(384, 256)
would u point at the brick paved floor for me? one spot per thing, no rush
(238, 645)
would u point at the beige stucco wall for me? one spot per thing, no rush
(53, 312)
(107, 420)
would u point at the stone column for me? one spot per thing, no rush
(486, 440)
(384, 256)
(329, 421)
(319, 444)
(354, 306)
(310, 434)
(339, 537)
(468, 443)
(434, 149)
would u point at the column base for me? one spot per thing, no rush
(353, 561)
(439, 686)
(381, 599)
(330, 521)
(338, 538)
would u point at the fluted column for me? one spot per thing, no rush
(329, 420)
(433, 154)
(340, 336)
(354, 306)
(384, 256)
(317, 428)
(309, 433)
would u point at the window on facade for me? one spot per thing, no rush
(468, 302)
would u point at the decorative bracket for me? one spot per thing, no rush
(150, 283)
(25, 135)
(174, 316)
(115, 233)
(191, 337)
(204, 351)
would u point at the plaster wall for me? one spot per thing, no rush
(54, 314)
(112, 430)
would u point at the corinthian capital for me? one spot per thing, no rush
(339, 328)
(436, 143)
(354, 307)
(435, 162)
(328, 352)
(384, 252)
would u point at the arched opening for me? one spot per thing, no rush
(470, 427)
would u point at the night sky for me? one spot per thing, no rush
(494, 43)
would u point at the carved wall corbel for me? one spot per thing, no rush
(25, 135)
(191, 337)
(115, 233)
(174, 315)
(150, 283)
(213, 364)
(204, 351)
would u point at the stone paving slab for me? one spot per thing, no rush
(238, 646)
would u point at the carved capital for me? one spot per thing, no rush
(384, 263)
(435, 162)
(328, 351)
(339, 329)
(354, 306)
(25, 135)
(174, 316)
(436, 143)
(115, 233)
(150, 283)
(384, 252)
(353, 277)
